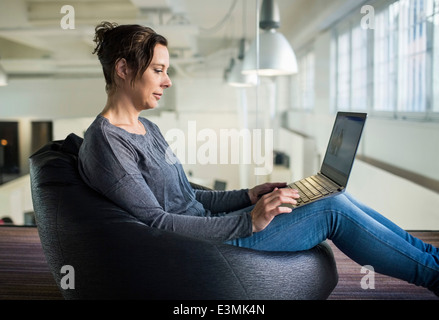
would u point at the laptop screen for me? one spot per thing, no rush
(342, 146)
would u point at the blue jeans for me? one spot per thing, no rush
(361, 233)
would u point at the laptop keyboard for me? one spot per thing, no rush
(312, 188)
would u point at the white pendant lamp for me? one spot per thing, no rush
(275, 56)
(236, 78)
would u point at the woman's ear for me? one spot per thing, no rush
(121, 69)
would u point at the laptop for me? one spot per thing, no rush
(333, 176)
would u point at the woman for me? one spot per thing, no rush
(124, 157)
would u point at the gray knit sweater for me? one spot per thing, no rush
(133, 172)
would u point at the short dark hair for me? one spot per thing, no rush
(134, 43)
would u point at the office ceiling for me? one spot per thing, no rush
(203, 35)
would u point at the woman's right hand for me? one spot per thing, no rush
(269, 206)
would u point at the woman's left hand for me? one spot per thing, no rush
(258, 191)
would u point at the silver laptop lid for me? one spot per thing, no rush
(342, 146)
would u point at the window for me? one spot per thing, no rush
(359, 71)
(399, 57)
(351, 72)
(303, 82)
(413, 53)
(343, 71)
(385, 60)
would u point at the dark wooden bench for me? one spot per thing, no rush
(24, 272)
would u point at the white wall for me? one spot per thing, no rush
(409, 205)
(15, 199)
(51, 98)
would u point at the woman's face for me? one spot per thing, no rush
(148, 90)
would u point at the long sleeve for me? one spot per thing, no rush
(223, 201)
(131, 170)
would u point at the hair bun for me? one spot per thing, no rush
(100, 31)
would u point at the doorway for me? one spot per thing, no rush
(9, 150)
(41, 134)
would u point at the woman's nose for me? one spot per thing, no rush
(167, 82)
